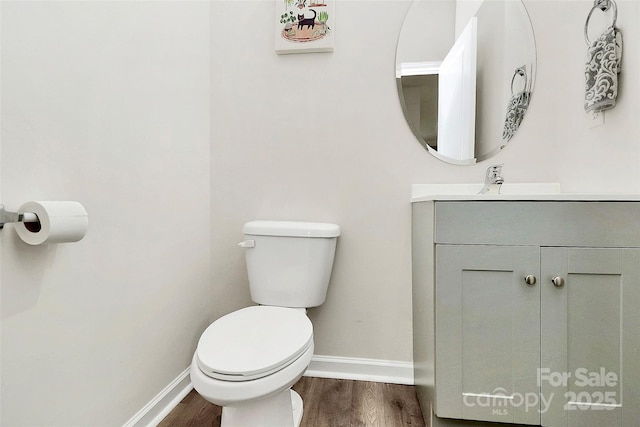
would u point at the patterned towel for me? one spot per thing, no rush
(516, 110)
(601, 73)
(518, 103)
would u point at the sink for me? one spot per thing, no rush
(509, 191)
(465, 191)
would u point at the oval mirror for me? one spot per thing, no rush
(465, 71)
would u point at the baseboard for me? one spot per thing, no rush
(349, 368)
(160, 406)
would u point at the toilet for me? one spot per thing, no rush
(248, 360)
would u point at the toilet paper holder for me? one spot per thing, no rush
(9, 217)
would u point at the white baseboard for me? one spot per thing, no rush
(160, 406)
(349, 368)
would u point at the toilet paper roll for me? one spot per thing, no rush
(58, 222)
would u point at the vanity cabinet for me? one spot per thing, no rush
(535, 311)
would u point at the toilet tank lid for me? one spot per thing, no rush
(291, 229)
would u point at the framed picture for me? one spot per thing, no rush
(304, 26)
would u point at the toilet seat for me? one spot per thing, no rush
(253, 342)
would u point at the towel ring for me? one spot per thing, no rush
(603, 5)
(520, 71)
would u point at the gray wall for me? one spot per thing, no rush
(175, 122)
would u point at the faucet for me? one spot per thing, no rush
(493, 177)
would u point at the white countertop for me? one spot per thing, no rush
(510, 191)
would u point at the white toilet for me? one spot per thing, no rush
(248, 360)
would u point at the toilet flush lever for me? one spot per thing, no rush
(247, 244)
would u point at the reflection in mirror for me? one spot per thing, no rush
(465, 71)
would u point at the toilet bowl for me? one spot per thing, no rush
(247, 362)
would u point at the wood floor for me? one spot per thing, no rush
(327, 403)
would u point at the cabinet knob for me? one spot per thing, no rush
(530, 279)
(558, 282)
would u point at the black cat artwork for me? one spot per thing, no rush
(309, 22)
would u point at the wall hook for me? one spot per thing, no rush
(603, 5)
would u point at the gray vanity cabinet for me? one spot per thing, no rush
(536, 312)
(487, 332)
(591, 334)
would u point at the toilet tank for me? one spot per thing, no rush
(290, 262)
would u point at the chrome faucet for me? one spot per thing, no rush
(493, 177)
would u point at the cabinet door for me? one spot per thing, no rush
(487, 327)
(590, 367)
